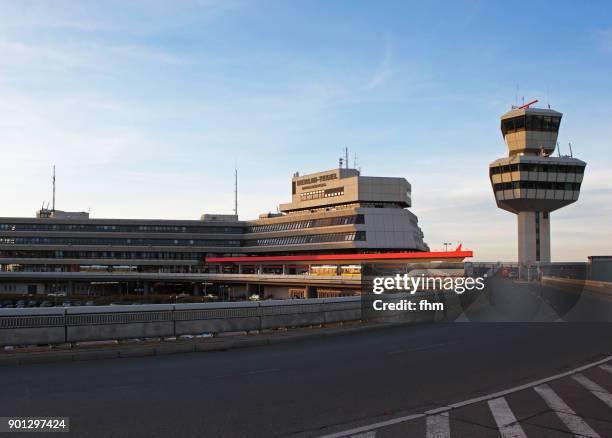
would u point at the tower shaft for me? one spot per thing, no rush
(533, 237)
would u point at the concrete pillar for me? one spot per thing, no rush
(145, 288)
(197, 289)
(311, 292)
(240, 269)
(284, 270)
(70, 290)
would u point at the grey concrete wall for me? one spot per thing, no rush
(58, 325)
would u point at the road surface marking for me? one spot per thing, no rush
(607, 368)
(438, 426)
(372, 427)
(443, 409)
(370, 434)
(506, 421)
(597, 390)
(565, 413)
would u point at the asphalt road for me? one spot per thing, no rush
(327, 385)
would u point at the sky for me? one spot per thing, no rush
(146, 107)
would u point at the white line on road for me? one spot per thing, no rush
(506, 421)
(607, 368)
(443, 409)
(565, 413)
(438, 426)
(597, 390)
(370, 434)
(374, 426)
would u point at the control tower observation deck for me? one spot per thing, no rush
(530, 182)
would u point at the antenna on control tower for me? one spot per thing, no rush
(236, 190)
(53, 188)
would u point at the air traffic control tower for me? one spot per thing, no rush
(530, 182)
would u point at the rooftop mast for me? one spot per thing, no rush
(53, 205)
(346, 157)
(236, 191)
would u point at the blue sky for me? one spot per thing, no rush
(145, 106)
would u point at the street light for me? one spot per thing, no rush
(446, 245)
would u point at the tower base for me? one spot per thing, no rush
(533, 237)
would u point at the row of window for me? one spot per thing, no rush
(530, 122)
(120, 228)
(312, 223)
(539, 167)
(541, 185)
(9, 240)
(318, 194)
(156, 255)
(103, 268)
(313, 238)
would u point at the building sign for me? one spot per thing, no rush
(317, 179)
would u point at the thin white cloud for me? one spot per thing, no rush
(385, 70)
(604, 39)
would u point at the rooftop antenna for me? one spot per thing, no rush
(558, 149)
(236, 190)
(570, 148)
(53, 188)
(548, 96)
(516, 96)
(346, 156)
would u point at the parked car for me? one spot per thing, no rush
(32, 303)
(66, 304)
(57, 294)
(90, 303)
(46, 304)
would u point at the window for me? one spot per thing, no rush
(311, 223)
(540, 185)
(308, 239)
(531, 122)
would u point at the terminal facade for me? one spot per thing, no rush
(336, 213)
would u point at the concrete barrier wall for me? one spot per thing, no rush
(96, 323)
(59, 325)
(21, 326)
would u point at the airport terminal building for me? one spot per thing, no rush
(335, 220)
